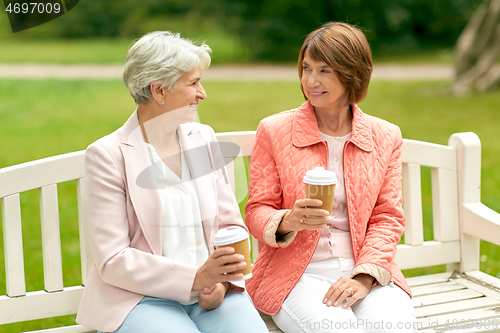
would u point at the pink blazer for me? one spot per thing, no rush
(122, 220)
(287, 145)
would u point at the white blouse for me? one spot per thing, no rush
(183, 238)
(335, 240)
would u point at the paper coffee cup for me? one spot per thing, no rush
(236, 238)
(320, 184)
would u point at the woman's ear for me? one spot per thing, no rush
(157, 92)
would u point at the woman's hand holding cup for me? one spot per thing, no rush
(305, 215)
(229, 262)
(312, 213)
(219, 267)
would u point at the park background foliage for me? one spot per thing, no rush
(269, 30)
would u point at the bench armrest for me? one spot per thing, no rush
(482, 222)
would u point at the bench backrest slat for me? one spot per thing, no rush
(51, 239)
(445, 205)
(412, 198)
(244, 139)
(13, 246)
(85, 256)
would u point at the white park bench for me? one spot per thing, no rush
(462, 298)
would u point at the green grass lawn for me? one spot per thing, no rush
(88, 51)
(97, 51)
(45, 118)
(113, 51)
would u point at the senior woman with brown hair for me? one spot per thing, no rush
(319, 272)
(152, 202)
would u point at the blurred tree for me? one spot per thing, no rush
(275, 29)
(95, 18)
(477, 51)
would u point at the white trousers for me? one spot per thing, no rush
(385, 308)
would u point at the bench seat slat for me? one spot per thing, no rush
(467, 330)
(486, 290)
(445, 308)
(428, 279)
(484, 278)
(447, 297)
(13, 245)
(478, 315)
(436, 288)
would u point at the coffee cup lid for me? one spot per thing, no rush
(320, 176)
(229, 236)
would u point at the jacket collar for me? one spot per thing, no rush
(131, 133)
(146, 201)
(140, 180)
(305, 131)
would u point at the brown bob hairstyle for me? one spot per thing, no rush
(345, 49)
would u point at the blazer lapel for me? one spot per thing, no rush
(141, 183)
(201, 165)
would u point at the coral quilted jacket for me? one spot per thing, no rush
(287, 145)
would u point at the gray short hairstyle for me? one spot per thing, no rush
(163, 57)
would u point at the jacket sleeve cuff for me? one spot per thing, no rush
(272, 228)
(382, 275)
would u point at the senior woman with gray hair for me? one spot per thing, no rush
(152, 202)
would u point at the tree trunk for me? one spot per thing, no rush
(477, 51)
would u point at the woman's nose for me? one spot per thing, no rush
(312, 80)
(201, 93)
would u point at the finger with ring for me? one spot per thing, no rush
(351, 292)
